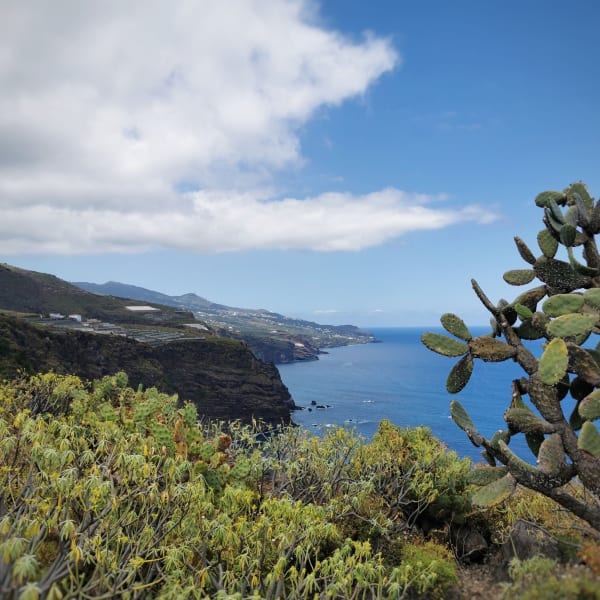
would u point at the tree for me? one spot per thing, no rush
(563, 311)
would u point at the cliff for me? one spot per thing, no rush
(221, 376)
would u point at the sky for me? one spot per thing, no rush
(340, 161)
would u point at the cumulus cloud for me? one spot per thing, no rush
(110, 110)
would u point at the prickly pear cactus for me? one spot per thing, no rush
(562, 310)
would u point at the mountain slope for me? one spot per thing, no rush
(124, 290)
(271, 336)
(41, 293)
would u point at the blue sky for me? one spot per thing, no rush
(341, 161)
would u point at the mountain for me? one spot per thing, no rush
(156, 345)
(41, 293)
(271, 336)
(124, 290)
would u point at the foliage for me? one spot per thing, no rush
(540, 578)
(427, 570)
(527, 505)
(403, 476)
(107, 491)
(563, 312)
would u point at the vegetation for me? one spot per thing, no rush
(106, 491)
(111, 492)
(26, 291)
(564, 312)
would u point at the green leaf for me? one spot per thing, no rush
(559, 275)
(444, 345)
(554, 362)
(580, 189)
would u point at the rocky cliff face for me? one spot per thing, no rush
(222, 377)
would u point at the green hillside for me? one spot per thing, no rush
(41, 293)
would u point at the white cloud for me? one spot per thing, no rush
(108, 108)
(218, 221)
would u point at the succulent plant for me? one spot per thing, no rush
(563, 312)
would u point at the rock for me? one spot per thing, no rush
(525, 541)
(468, 543)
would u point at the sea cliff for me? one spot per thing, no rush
(221, 376)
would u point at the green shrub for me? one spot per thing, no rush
(110, 492)
(541, 578)
(427, 571)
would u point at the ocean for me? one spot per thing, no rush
(402, 381)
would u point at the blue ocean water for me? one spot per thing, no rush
(400, 380)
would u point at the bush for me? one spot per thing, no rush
(112, 492)
(540, 578)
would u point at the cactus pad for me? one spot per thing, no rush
(501, 434)
(592, 297)
(554, 362)
(551, 456)
(571, 325)
(542, 199)
(548, 243)
(589, 439)
(559, 275)
(491, 350)
(461, 417)
(580, 189)
(524, 420)
(526, 254)
(531, 297)
(525, 314)
(241, 469)
(460, 374)
(589, 407)
(456, 326)
(567, 234)
(444, 345)
(562, 304)
(580, 268)
(495, 492)
(575, 420)
(519, 276)
(583, 363)
(483, 475)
